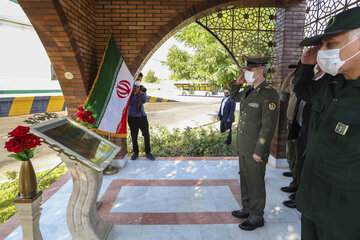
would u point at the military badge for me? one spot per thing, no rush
(254, 105)
(341, 128)
(330, 23)
(272, 106)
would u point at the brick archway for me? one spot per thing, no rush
(74, 34)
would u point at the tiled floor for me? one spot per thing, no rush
(189, 199)
(175, 199)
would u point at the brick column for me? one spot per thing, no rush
(289, 31)
(64, 29)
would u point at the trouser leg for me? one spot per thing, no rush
(308, 229)
(256, 185)
(134, 131)
(229, 138)
(300, 145)
(243, 185)
(292, 159)
(144, 127)
(312, 231)
(222, 126)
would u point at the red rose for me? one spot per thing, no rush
(15, 144)
(89, 113)
(80, 109)
(84, 119)
(19, 131)
(31, 141)
(91, 120)
(80, 114)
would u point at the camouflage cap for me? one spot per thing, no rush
(343, 22)
(255, 61)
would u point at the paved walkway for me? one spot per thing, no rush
(174, 199)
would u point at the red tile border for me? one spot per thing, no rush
(114, 188)
(192, 158)
(12, 223)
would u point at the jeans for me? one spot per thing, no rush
(136, 123)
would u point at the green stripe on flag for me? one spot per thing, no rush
(104, 83)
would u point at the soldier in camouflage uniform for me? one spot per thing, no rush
(257, 123)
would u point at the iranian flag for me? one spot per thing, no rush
(110, 93)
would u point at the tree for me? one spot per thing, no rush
(150, 77)
(209, 62)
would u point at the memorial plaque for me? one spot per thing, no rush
(75, 139)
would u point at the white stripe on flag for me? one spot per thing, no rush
(118, 101)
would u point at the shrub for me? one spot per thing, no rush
(11, 175)
(191, 142)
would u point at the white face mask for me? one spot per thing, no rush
(329, 60)
(249, 77)
(137, 83)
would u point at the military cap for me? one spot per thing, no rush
(255, 61)
(292, 66)
(345, 21)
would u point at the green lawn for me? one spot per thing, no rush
(9, 190)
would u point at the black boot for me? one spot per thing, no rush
(248, 226)
(290, 203)
(240, 214)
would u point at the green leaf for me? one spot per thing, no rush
(16, 156)
(30, 153)
(22, 155)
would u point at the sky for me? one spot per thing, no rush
(154, 63)
(24, 63)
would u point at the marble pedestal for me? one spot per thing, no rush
(29, 212)
(82, 217)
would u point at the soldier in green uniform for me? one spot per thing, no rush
(329, 193)
(256, 126)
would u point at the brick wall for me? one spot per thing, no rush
(140, 27)
(289, 31)
(80, 15)
(56, 34)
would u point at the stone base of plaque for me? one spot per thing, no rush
(82, 217)
(29, 212)
(119, 163)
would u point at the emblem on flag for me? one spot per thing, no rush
(123, 89)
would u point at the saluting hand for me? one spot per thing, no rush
(257, 158)
(310, 55)
(241, 79)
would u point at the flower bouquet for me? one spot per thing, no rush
(23, 145)
(85, 117)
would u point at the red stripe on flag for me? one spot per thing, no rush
(121, 128)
